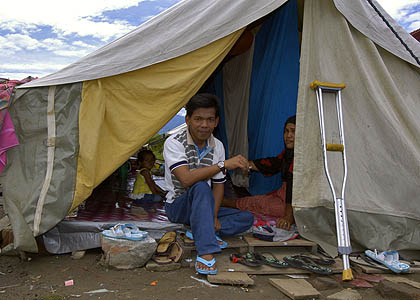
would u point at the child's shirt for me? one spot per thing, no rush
(140, 186)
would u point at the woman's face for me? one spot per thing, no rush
(289, 135)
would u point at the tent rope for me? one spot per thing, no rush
(394, 32)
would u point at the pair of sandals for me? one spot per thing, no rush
(126, 232)
(168, 249)
(251, 259)
(190, 237)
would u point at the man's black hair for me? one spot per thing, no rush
(202, 101)
(142, 154)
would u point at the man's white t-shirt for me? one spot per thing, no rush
(180, 150)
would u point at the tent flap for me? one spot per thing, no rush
(27, 163)
(115, 121)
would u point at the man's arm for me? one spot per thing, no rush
(188, 177)
(218, 193)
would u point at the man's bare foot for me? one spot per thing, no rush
(207, 257)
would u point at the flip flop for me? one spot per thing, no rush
(126, 232)
(389, 259)
(363, 260)
(175, 252)
(246, 260)
(166, 240)
(161, 260)
(187, 241)
(208, 263)
(271, 261)
(316, 260)
(298, 263)
(222, 243)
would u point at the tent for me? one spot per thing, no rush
(78, 125)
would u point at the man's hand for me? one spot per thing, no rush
(217, 225)
(236, 162)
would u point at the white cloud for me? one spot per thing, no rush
(18, 42)
(83, 45)
(72, 52)
(31, 66)
(396, 7)
(76, 19)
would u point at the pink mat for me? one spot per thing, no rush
(104, 210)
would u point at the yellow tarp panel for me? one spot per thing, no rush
(121, 113)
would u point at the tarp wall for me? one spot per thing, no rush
(273, 92)
(381, 108)
(26, 168)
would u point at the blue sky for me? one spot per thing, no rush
(44, 36)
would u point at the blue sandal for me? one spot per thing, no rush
(207, 263)
(222, 243)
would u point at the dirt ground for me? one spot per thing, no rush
(43, 277)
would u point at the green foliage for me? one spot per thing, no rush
(156, 145)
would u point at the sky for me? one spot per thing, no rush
(44, 36)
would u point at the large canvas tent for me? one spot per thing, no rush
(78, 125)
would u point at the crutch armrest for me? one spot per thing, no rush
(317, 83)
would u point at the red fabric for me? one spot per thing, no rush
(271, 204)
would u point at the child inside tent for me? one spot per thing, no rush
(145, 189)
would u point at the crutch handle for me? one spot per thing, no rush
(317, 83)
(335, 147)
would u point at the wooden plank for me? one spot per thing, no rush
(252, 241)
(225, 265)
(295, 288)
(236, 278)
(299, 242)
(402, 279)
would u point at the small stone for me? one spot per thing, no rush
(9, 250)
(78, 254)
(155, 267)
(347, 294)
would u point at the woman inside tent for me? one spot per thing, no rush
(277, 203)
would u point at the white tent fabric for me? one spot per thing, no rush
(365, 19)
(190, 25)
(185, 27)
(380, 109)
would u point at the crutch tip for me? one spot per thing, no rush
(347, 275)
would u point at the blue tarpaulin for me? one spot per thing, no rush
(273, 91)
(274, 86)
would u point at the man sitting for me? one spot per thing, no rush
(194, 173)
